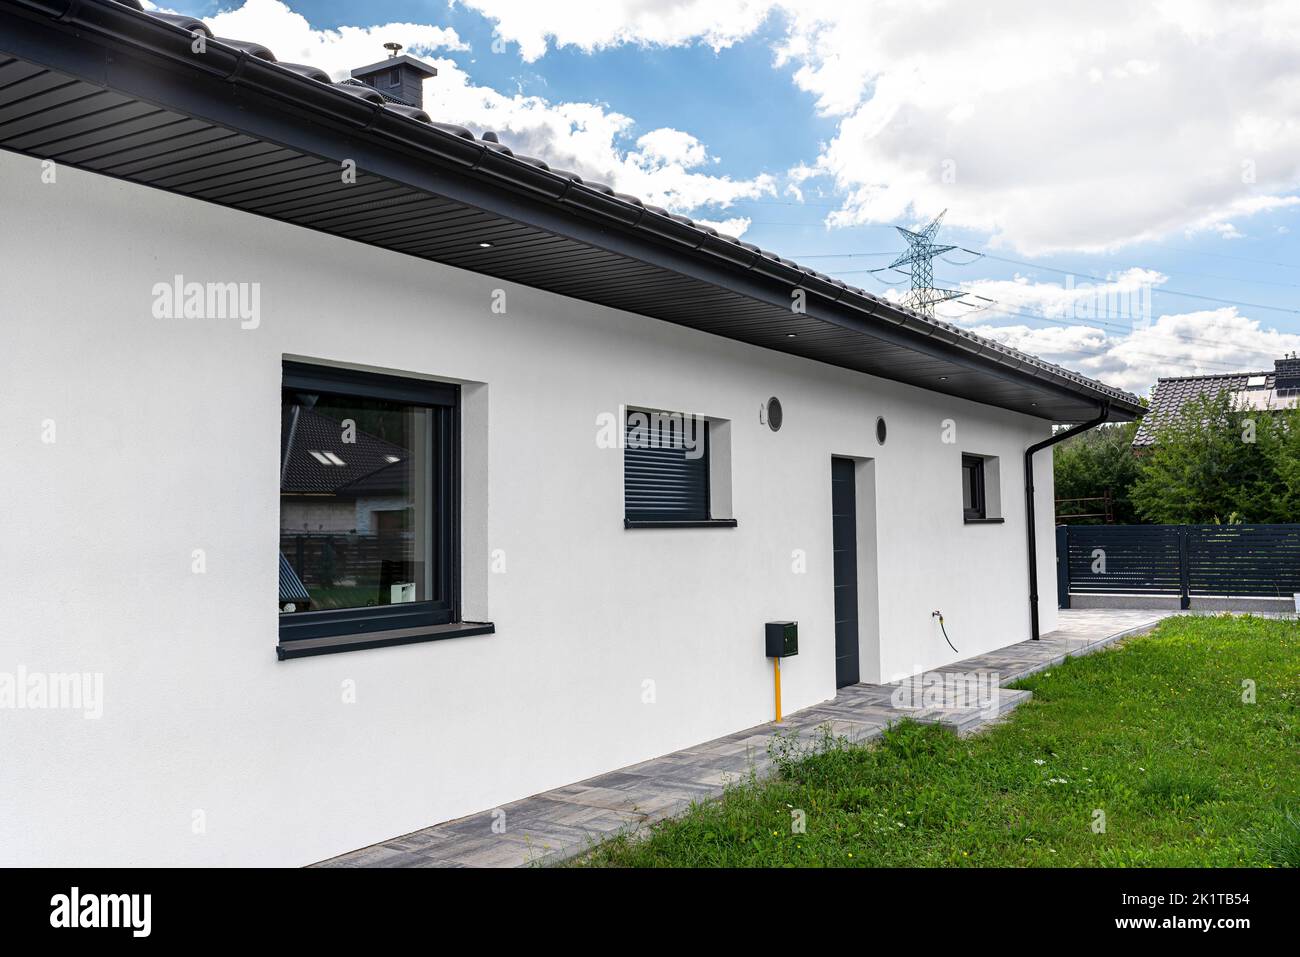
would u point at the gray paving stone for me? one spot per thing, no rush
(550, 827)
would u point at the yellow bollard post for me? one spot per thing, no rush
(776, 677)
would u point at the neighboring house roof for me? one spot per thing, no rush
(312, 446)
(1251, 390)
(391, 479)
(107, 87)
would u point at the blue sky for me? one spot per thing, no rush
(1156, 158)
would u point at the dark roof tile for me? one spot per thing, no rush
(1170, 395)
(303, 474)
(251, 47)
(320, 76)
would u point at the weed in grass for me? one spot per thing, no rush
(1279, 842)
(1172, 789)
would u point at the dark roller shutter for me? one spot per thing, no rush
(661, 482)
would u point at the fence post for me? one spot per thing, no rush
(1063, 566)
(1184, 577)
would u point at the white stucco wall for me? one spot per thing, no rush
(167, 437)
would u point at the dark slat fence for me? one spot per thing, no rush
(1185, 560)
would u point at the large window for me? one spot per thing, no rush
(368, 509)
(666, 470)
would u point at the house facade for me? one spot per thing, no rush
(519, 449)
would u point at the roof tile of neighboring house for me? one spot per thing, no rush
(304, 474)
(1170, 395)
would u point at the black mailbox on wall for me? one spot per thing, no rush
(782, 639)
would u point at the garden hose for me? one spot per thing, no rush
(939, 615)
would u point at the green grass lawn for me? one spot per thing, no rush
(1153, 733)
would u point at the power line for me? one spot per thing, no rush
(1160, 357)
(1244, 259)
(1162, 246)
(924, 295)
(1079, 272)
(1093, 276)
(883, 252)
(1097, 323)
(1161, 289)
(1129, 329)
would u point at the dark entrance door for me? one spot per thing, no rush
(844, 534)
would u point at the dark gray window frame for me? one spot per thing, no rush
(327, 632)
(978, 510)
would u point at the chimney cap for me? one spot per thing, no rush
(393, 49)
(403, 59)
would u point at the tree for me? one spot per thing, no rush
(1094, 462)
(1216, 462)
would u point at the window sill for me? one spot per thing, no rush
(696, 523)
(983, 521)
(306, 647)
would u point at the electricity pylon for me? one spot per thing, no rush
(921, 248)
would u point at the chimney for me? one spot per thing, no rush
(399, 77)
(1286, 372)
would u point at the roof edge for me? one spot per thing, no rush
(498, 168)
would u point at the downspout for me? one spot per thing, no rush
(1029, 506)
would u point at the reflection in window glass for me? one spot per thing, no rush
(356, 495)
(972, 486)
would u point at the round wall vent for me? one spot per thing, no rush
(774, 414)
(881, 430)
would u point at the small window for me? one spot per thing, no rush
(972, 487)
(394, 78)
(666, 478)
(368, 507)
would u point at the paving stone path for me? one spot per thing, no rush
(555, 825)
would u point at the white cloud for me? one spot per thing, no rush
(1106, 330)
(1126, 294)
(1192, 343)
(1218, 220)
(291, 38)
(1055, 138)
(1027, 122)
(596, 24)
(666, 146)
(731, 227)
(587, 138)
